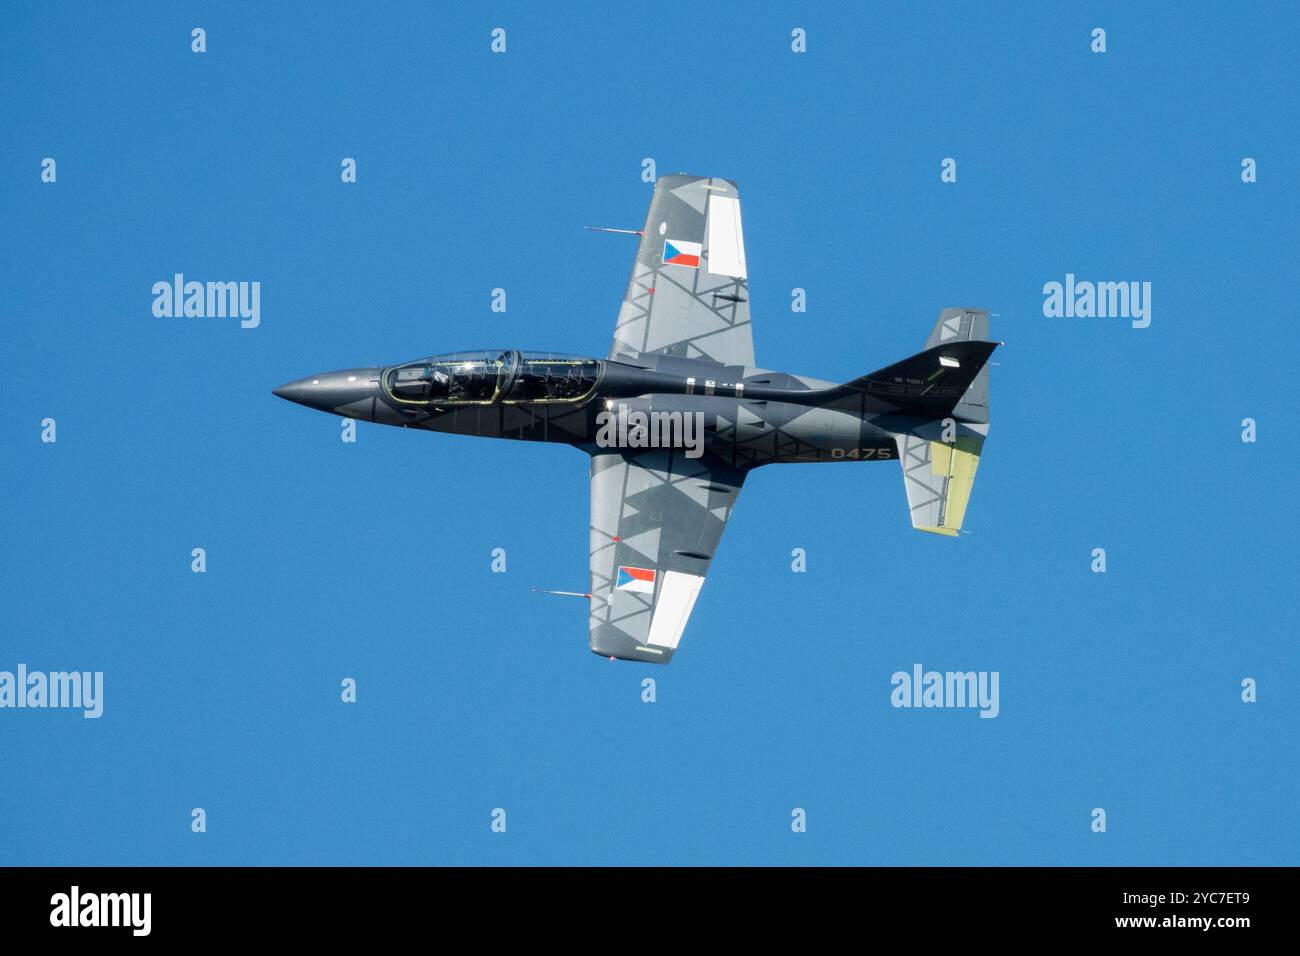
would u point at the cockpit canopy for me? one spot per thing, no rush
(481, 378)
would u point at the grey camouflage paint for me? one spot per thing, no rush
(684, 343)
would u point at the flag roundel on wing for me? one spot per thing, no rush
(640, 580)
(678, 252)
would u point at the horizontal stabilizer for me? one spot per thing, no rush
(939, 474)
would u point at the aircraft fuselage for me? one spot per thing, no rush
(742, 416)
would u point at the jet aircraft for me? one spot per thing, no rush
(683, 353)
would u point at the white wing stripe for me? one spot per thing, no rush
(673, 609)
(726, 255)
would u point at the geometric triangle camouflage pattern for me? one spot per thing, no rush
(679, 414)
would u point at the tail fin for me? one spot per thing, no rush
(966, 325)
(940, 457)
(944, 380)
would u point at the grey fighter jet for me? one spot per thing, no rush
(678, 414)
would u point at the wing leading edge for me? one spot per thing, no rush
(656, 520)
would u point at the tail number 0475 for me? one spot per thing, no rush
(862, 453)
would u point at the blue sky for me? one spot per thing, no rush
(372, 560)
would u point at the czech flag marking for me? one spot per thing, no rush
(677, 253)
(640, 580)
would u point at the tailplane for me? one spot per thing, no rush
(939, 472)
(948, 384)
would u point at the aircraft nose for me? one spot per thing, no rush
(290, 391)
(350, 392)
(302, 390)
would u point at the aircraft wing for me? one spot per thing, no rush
(656, 520)
(689, 291)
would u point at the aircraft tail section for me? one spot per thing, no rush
(946, 380)
(940, 456)
(966, 325)
(939, 463)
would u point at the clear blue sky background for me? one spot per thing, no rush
(372, 560)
